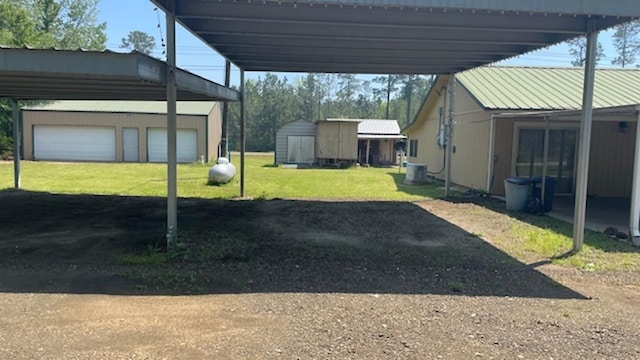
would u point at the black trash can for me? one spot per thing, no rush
(549, 190)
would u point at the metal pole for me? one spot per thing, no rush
(242, 134)
(492, 150)
(545, 159)
(584, 141)
(224, 148)
(172, 201)
(449, 154)
(634, 218)
(16, 142)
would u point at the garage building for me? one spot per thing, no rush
(119, 131)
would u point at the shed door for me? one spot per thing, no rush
(300, 149)
(130, 144)
(187, 143)
(81, 143)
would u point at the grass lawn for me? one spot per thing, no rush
(527, 237)
(263, 180)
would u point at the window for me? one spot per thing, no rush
(413, 148)
(560, 158)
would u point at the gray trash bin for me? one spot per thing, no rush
(516, 191)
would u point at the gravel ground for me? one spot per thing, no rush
(292, 280)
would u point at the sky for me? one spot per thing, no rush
(124, 16)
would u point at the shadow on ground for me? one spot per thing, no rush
(90, 244)
(430, 189)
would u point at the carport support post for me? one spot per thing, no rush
(584, 141)
(224, 144)
(634, 227)
(545, 159)
(449, 153)
(15, 110)
(172, 201)
(242, 133)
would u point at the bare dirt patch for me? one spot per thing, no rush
(294, 280)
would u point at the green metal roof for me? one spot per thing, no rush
(143, 107)
(536, 88)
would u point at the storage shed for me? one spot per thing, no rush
(295, 143)
(337, 141)
(119, 131)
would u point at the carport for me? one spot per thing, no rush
(51, 74)
(388, 36)
(401, 37)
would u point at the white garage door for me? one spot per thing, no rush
(83, 143)
(157, 145)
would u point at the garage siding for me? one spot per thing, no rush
(115, 120)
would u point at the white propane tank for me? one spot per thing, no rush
(222, 172)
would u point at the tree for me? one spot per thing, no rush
(626, 40)
(578, 50)
(139, 41)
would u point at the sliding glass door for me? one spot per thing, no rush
(560, 159)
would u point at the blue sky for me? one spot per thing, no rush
(123, 16)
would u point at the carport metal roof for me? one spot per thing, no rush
(50, 74)
(389, 36)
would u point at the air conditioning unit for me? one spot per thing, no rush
(416, 174)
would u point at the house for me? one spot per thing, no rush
(119, 131)
(502, 115)
(338, 141)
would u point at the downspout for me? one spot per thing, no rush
(492, 150)
(634, 227)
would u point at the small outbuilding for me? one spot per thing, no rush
(119, 131)
(377, 141)
(296, 143)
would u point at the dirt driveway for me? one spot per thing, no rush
(80, 278)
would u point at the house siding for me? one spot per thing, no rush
(471, 142)
(470, 138)
(502, 154)
(611, 160)
(295, 128)
(116, 120)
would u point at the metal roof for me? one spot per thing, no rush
(141, 107)
(533, 88)
(389, 36)
(51, 74)
(379, 127)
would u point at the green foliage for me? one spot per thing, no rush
(578, 50)
(626, 40)
(139, 41)
(273, 101)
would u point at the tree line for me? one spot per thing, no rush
(272, 100)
